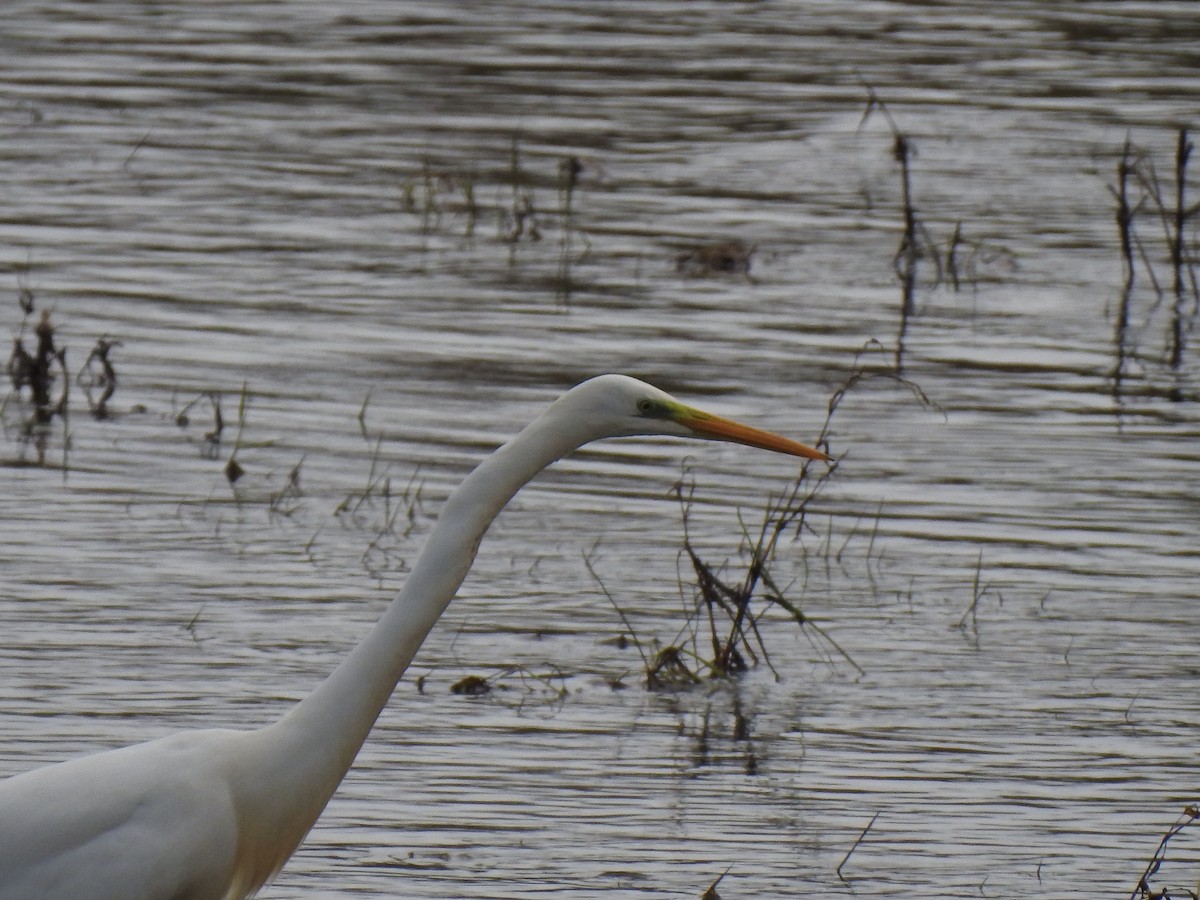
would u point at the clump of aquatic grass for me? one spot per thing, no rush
(723, 633)
(451, 200)
(381, 506)
(473, 686)
(916, 244)
(1141, 192)
(233, 468)
(435, 194)
(964, 261)
(262, 486)
(1144, 889)
(521, 220)
(443, 197)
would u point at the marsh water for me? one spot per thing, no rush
(380, 236)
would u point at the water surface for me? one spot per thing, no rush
(331, 212)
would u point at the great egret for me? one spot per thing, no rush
(214, 814)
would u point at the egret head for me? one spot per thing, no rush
(622, 406)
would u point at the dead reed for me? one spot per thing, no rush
(710, 893)
(729, 607)
(1139, 193)
(569, 171)
(1144, 890)
(857, 842)
(916, 244)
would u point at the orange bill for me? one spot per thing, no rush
(717, 428)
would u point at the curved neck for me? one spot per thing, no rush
(323, 733)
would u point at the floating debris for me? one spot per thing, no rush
(721, 258)
(471, 686)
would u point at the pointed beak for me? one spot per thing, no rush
(707, 425)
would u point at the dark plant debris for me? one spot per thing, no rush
(38, 371)
(471, 686)
(715, 259)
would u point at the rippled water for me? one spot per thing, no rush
(330, 211)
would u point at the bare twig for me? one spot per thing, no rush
(854, 846)
(1143, 890)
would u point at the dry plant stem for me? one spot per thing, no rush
(1174, 218)
(1137, 188)
(568, 179)
(472, 206)
(1125, 214)
(233, 469)
(977, 592)
(362, 415)
(104, 380)
(522, 220)
(711, 892)
(587, 562)
(915, 243)
(956, 241)
(1144, 891)
(1179, 258)
(854, 846)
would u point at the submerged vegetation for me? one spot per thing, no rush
(451, 201)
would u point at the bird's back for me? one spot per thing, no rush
(150, 822)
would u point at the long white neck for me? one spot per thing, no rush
(324, 732)
(355, 693)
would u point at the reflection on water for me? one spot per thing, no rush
(378, 239)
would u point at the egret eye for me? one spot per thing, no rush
(645, 406)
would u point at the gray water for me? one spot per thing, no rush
(323, 214)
